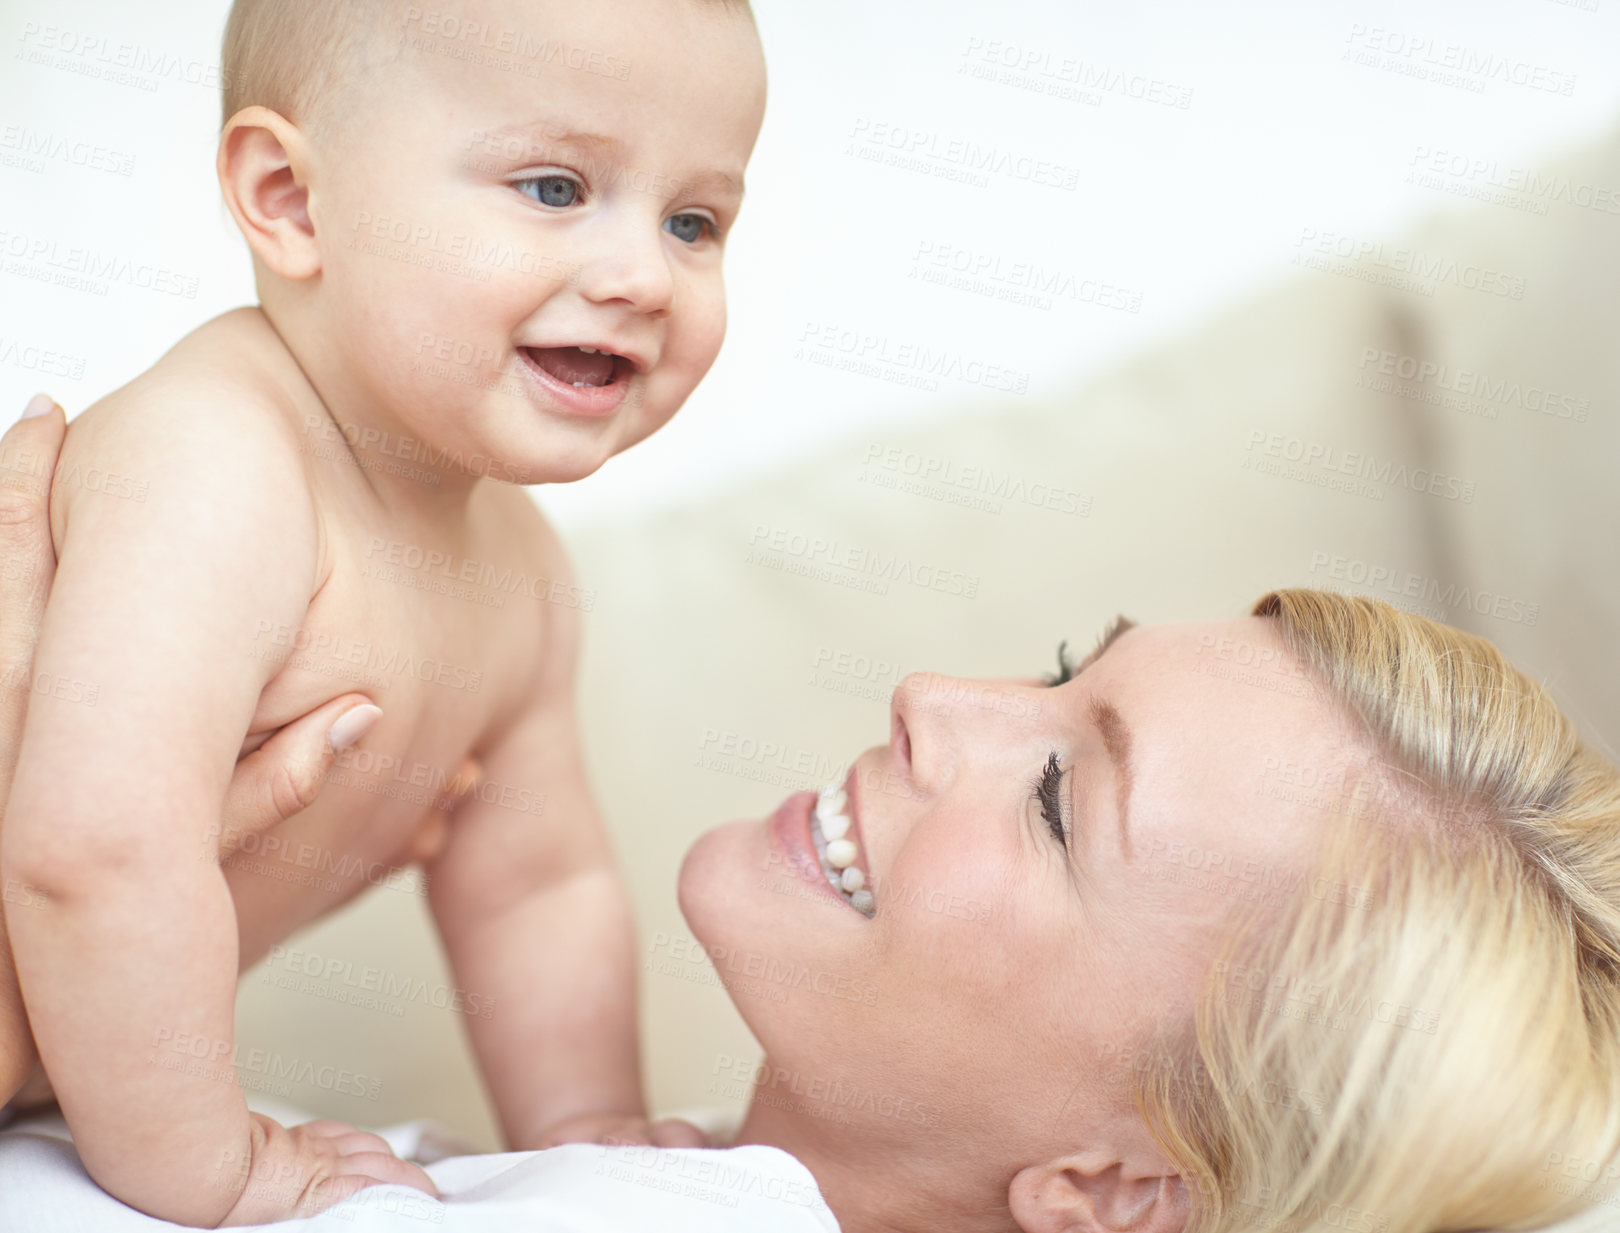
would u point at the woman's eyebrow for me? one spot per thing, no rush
(1116, 736)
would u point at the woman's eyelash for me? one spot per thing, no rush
(1048, 790)
(1065, 670)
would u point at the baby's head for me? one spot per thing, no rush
(495, 226)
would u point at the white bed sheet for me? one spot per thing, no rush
(580, 1188)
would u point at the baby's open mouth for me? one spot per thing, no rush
(579, 366)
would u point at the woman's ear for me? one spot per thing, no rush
(1091, 1194)
(263, 166)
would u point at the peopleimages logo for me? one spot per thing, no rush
(956, 483)
(1407, 585)
(1467, 383)
(1372, 474)
(921, 149)
(1395, 265)
(796, 552)
(871, 354)
(818, 1090)
(335, 975)
(783, 973)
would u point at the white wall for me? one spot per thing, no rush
(1178, 208)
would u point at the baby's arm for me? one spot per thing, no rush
(151, 627)
(534, 915)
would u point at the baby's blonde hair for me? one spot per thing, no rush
(1429, 1038)
(293, 56)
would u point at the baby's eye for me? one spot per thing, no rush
(550, 190)
(688, 228)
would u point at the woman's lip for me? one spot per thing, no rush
(790, 836)
(591, 401)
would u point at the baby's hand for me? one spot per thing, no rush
(619, 1129)
(300, 1170)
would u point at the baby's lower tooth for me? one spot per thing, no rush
(841, 853)
(863, 902)
(852, 879)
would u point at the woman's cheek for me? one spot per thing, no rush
(955, 901)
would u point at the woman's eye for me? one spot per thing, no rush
(551, 190)
(1049, 792)
(687, 228)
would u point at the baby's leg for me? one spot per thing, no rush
(17, 1052)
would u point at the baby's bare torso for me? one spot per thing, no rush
(438, 624)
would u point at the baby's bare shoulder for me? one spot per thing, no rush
(221, 380)
(209, 421)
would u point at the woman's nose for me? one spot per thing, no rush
(937, 718)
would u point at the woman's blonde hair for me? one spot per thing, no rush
(1429, 1038)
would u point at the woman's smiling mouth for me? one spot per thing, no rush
(835, 867)
(837, 850)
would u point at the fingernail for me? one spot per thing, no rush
(352, 725)
(39, 404)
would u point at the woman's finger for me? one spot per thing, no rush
(28, 453)
(285, 774)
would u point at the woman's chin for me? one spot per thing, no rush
(714, 888)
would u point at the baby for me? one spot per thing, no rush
(487, 244)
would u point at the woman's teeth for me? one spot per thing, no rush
(829, 829)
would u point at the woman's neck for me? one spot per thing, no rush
(876, 1184)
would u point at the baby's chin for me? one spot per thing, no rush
(554, 449)
(535, 453)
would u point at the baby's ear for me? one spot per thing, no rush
(1091, 1194)
(262, 167)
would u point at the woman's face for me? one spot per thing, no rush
(992, 1007)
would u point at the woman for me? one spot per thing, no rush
(1331, 941)
(1416, 1026)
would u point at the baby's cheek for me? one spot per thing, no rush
(700, 324)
